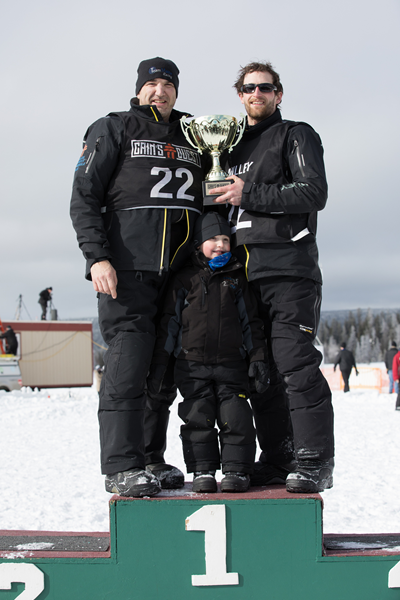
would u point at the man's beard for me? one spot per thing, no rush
(261, 113)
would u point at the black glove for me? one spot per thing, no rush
(155, 379)
(259, 371)
(356, 372)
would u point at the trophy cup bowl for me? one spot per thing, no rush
(213, 134)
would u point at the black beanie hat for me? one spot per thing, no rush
(153, 68)
(207, 226)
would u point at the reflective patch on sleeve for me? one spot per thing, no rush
(81, 161)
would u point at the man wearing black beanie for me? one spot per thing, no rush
(157, 85)
(155, 68)
(136, 196)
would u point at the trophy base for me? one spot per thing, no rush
(212, 185)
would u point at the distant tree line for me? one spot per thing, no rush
(368, 334)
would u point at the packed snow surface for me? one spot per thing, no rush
(51, 476)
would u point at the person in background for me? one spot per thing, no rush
(389, 356)
(396, 376)
(11, 340)
(98, 376)
(44, 298)
(346, 361)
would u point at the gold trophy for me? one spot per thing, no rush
(213, 134)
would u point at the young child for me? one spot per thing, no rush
(210, 324)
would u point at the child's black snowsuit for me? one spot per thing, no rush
(210, 324)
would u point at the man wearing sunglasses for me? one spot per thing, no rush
(279, 185)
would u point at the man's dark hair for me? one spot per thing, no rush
(263, 67)
(343, 344)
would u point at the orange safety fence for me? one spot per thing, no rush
(369, 378)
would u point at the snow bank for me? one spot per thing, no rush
(51, 476)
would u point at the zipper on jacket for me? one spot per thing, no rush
(186, 238)
(204, 291)
(247, 261)
(317, 305)
(96, 149)
(300, 158)
(153, 111)
(163, 243)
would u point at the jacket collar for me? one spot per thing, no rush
(152, 112)
(254, 130)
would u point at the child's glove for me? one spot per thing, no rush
(155, 379)
(259, 371)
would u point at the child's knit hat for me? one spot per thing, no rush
(208, 225)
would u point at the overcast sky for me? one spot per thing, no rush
(65, 64)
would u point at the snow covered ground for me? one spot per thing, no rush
(51, 478)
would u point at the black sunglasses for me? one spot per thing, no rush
(265, 88)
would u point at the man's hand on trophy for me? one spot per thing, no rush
(233, 193)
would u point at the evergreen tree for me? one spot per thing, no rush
(331, 350)
(352, 340)
(367, 334)
(363, 350)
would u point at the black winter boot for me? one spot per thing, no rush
(268, 474)
(204, 482)
(135, 483)
(170, 477)
(311, 476)
(235, 482)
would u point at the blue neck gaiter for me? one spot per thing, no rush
(219, 261)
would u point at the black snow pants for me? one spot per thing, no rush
(156, 417)
(215, 394)
(127, 325)
(297, 407)
(43, 306)
(346, 377)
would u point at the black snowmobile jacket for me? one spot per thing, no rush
(136, 176)
(346, 361)
(11, 341)
(44, 296)
(210, 316)
(389, 356)
(275, 227)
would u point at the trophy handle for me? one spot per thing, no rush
(185, 126)
(240, 132)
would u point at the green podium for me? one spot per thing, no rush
(179, 545)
